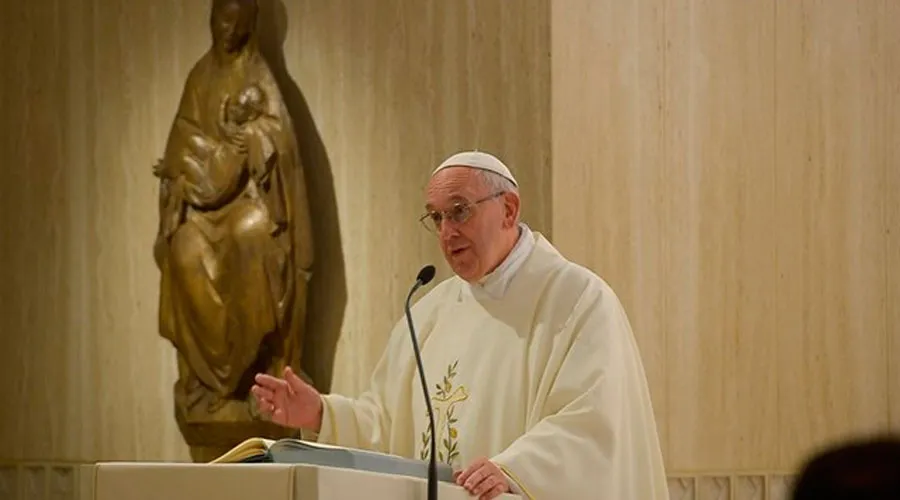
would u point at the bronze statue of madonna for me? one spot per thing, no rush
(234, 246)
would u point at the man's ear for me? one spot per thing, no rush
(511, 207)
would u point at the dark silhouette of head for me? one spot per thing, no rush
(862, 469)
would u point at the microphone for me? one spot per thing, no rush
(423, 278)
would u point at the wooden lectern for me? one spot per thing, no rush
(177, 481)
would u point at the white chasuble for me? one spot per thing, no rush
(476, 369)
(544, 378)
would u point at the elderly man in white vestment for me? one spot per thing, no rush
(535, 377)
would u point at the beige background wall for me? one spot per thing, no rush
(734, 177)
(731, 168)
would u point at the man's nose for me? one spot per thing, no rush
(447, 231)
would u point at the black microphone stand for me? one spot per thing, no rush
(425, 275)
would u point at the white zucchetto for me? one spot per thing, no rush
(479, 160)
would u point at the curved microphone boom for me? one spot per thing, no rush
(423, 278)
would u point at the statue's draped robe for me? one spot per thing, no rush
(228, 280)
(542, 375)
(267, 180)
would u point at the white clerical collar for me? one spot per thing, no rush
(496, 283)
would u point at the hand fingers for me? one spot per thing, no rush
(493, 493)
(464, 475)
(263, 393)
(279, 416)
(487, 484)
(265, 399)
(476, 478)
(266, 407)
(270, 382)
(294, 382)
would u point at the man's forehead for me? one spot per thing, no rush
(455, 199)
(453, 185)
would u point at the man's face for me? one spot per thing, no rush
(230, 24)
(474, 247)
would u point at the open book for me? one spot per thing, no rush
(296, 451)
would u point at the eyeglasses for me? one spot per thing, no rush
(458, 213)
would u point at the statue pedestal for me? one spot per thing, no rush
(210, 428)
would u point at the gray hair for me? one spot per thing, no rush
(496, 183)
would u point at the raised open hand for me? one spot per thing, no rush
(289, 401)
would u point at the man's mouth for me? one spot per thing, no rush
(457, 251)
